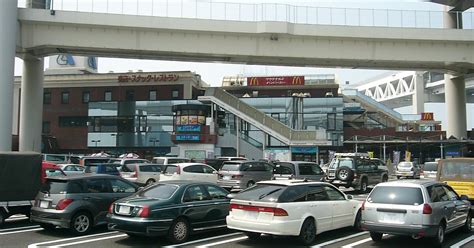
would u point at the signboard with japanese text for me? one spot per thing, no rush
(148, 78)
(304, 150)
(188, 128)
(188, 137)
(268, 81)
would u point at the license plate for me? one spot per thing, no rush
(44, 204)
(392, 218)
(406, 173)
(251, 215)
(124, 210)
(332, 174)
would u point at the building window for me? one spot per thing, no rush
(73, 121)
(86, 96)
(46, 127)
(129, 95)
(331, 121)
(65, 97)
(108, 96)
(152, 95)
(47, 98)
(175, 94)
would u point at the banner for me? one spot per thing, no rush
(267, 81)
(371, 154)
(407, 156)
(396, 157)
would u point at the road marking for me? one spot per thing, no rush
(18, 228)
(463, 242)
(68, 239)
(91, 240)
(360, 242)
(221, 242)
(339, 240)
(203, 240)
(21, 231)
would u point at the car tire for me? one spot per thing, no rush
(150, 182)
(81, 223)
(345, 173)
(3, 216)
(250, 184)
(363, 187)
(252, 235)
(307, 232)
(438, 239)
(358, 221)
(468, 225)
(375, 236)
(384, 178)
(47, 227)
(398, 177)
(179, 231)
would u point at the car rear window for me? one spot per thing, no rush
(430, 167)
(310, 169)
(262, 192)
(91, 169)
(89, 161)
(150, 168)
(110, 168)
(396, 195)
(230, 167)
(62, 187)
(159, 191)
(171, 169)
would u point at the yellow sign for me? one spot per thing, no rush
(371, 154)
(407, 156)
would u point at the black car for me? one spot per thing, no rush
(78, 202)
(173, 208)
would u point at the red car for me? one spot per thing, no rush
(49, 169)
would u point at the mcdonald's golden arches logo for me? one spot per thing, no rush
(267, 81)
(427, 116)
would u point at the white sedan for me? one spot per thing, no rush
(292, 208)
(189, 171)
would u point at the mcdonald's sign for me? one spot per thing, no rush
(267, 81)
(427, 116)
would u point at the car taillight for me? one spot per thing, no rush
(111, 208)
(275, 211)
(63, 203)
(144, 212)
(363, 206)
(427, 209)
(279, 212)
(135, 174)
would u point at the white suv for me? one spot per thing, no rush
(189, 171)
(141, 174)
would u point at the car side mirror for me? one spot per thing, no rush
(464, 198)
(230, 196)
(350, 197)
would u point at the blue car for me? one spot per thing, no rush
(102, 168)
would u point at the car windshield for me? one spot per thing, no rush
(53, 172)
(230, 167)
(405, 164)
(261, 192)
(430, 166)
(159, 191)
(61, 187)
(396, 195)
(457, 170)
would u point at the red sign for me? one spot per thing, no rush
(147, 78)
(265, 81)
(427, 116)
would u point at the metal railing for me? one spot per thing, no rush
(199, 9)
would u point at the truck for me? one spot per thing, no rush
(20, 181)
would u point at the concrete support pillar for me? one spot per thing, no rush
(237, 145)
(31, 105)
(418, 96)
(8, 30)
(455, 95)
(455, 88)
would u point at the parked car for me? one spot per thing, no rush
(86, 160)
(415, 208)
(49, 169)
(104, 168)
(141, 174)
(292, 208)
(408, 169)
(120, 162)
(173, 208)
(189, 171)
(78, 202)
(232, 158)
(169, 160)
(242, 174)
(355, 171)
(430, 169)
(298, 170)
(459, 174)
(72, 169)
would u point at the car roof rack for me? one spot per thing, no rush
(351, 154)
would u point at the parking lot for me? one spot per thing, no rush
(19, 232)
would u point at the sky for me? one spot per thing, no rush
(212, 73)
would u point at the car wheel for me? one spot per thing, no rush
(252, 235)
(357, 222)
(308, 232)
(179, 231)
(150, 181)
(439, 238)
(363, 185)
(250, 184)
(375, 236)
(2, 218)
(81, 223)
(47, 227)
(345, 173)
(384, 178)
(468, 225)
(398, 177)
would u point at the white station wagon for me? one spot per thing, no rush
(189, 171)
(292, 208)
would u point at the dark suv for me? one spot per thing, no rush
(78, 202)
(356, 172)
